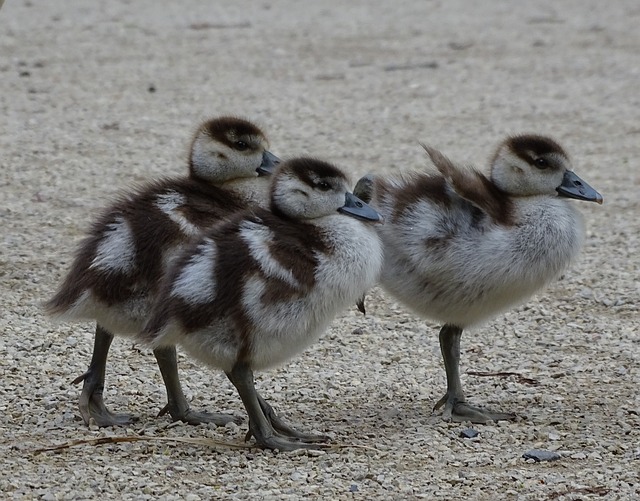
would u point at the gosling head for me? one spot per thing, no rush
(528, 165)
(305, 188)
(228, 148)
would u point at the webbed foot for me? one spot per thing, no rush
(284, 430)
(459, 411)
(288, 444)
(91, 404)
(269, 431)
(190, 416)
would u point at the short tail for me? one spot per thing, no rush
(61, 303)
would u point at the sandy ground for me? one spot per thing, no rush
(96, 96)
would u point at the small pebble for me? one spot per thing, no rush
(469, 433)
(296, 476)
(539, 455)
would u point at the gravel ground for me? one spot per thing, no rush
(98, 98)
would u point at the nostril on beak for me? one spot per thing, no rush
(359, 204)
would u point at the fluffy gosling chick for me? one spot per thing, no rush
(255, 291)
(117, 267)
(461, 247)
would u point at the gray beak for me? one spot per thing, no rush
(574, 187)
(269, 162)
(355, 207)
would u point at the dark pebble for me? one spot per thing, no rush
(469, 433)
(540, 455)
(402, 67)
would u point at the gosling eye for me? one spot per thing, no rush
(324, 186)
(240, 145)
(541, 163)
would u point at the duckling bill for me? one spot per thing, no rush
(574, 187)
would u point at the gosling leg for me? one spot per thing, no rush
(91, 403)
(177, 405)
(455, 406)
(260, 426)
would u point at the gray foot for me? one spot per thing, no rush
(91, 405)
(191, 416)
(457, 411)
(283, 430)
(270, 431)
(455, 406)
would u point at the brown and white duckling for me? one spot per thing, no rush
(115, 274)
(461, 247)
(251, 293)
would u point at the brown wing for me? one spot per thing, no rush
(474, 187)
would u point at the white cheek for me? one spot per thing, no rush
(246, 165)
(206, 162)
(116, 251)
(169, 203)
(544, 182)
